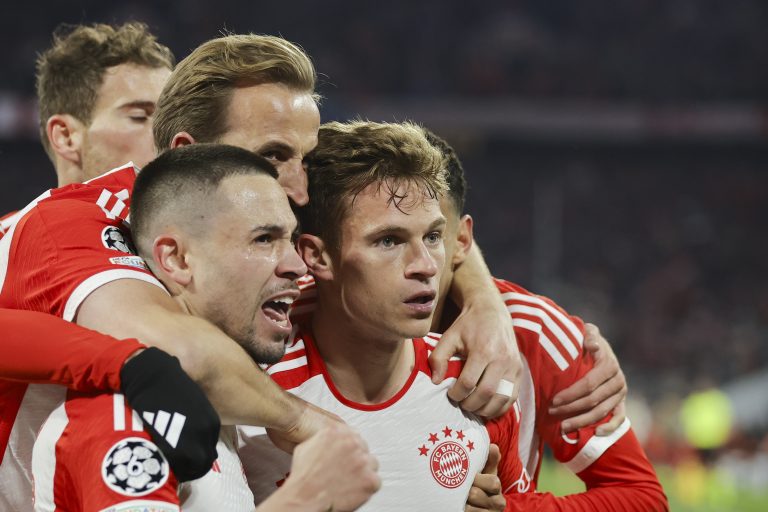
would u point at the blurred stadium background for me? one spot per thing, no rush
(617, 154)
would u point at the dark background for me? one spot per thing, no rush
(617, 153)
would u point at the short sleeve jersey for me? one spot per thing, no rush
(428, 449)
(54, 253)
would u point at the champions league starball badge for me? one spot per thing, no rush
(134, 467)
(449, 459)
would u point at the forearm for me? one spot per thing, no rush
(41, 348)
(621, 479)
(234, 384)
(473, 280)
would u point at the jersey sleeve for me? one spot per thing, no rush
(41, 348)
(60, 251)
(504, 432)
(552, 341)
(622, 480)
(93, 454)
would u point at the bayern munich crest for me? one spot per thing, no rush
(449, 457)
(134, 467)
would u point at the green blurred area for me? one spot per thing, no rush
(689, 487)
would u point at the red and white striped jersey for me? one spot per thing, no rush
(60, 248)
(94, 454)
(428, 449)
(551, 343)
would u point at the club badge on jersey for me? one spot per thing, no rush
(448, 457)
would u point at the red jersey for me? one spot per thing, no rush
(60, 248)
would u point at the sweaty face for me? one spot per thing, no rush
(121, 123)
(279, 124)
(389, 263)
(245, 265)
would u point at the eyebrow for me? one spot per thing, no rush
(274, 146)
(139, 104)
(398, 230)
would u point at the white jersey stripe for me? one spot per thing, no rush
(595, 447)
(5, 242)
(44, 463)
(544, 341)
(136, 424)
(567, 322)
(287, 365)
(118, 411)
(563, 338)
(88, 286)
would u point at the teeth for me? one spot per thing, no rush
(284, 300)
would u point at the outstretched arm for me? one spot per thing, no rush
(484, 334)
(42, 348)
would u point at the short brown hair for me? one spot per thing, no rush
(351, 156)
(196, 97)
(71, 71)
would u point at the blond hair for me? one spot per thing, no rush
(351, 156)
(197, 95)
(71, 71)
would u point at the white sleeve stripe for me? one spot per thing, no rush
(567, 322)
(88, 286)
(595, 447)
(544, 341)
(287, 365)
(5, 242)
(563, 338)
(118, 411)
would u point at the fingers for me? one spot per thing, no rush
(606, 368)
(592, 338)
(438, 359)
(476, 388)
(614, 387)
(492, 464)
(593, 415)
(609, 427)
(480, 499)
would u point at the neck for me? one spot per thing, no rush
(366, 367)
(68, 173)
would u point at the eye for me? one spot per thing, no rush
(275, 156)
(264, 239)
(386, 241)
(434, 237)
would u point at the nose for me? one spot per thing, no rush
(292, 176)
(424, 262)
(291, 265)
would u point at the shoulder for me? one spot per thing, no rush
(294, 368)
(543, 328)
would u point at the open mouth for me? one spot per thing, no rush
(277, 310)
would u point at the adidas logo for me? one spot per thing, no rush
(167, 425)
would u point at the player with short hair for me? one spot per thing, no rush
(233, 263)
(373, 241)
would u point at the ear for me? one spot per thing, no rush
(464, 239)
(170, 260)
(65, 134)
(182, 139)
(318, 261)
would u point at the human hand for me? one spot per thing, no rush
(601, 391)
(483, 332)
(485, 493)
(333, 470)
